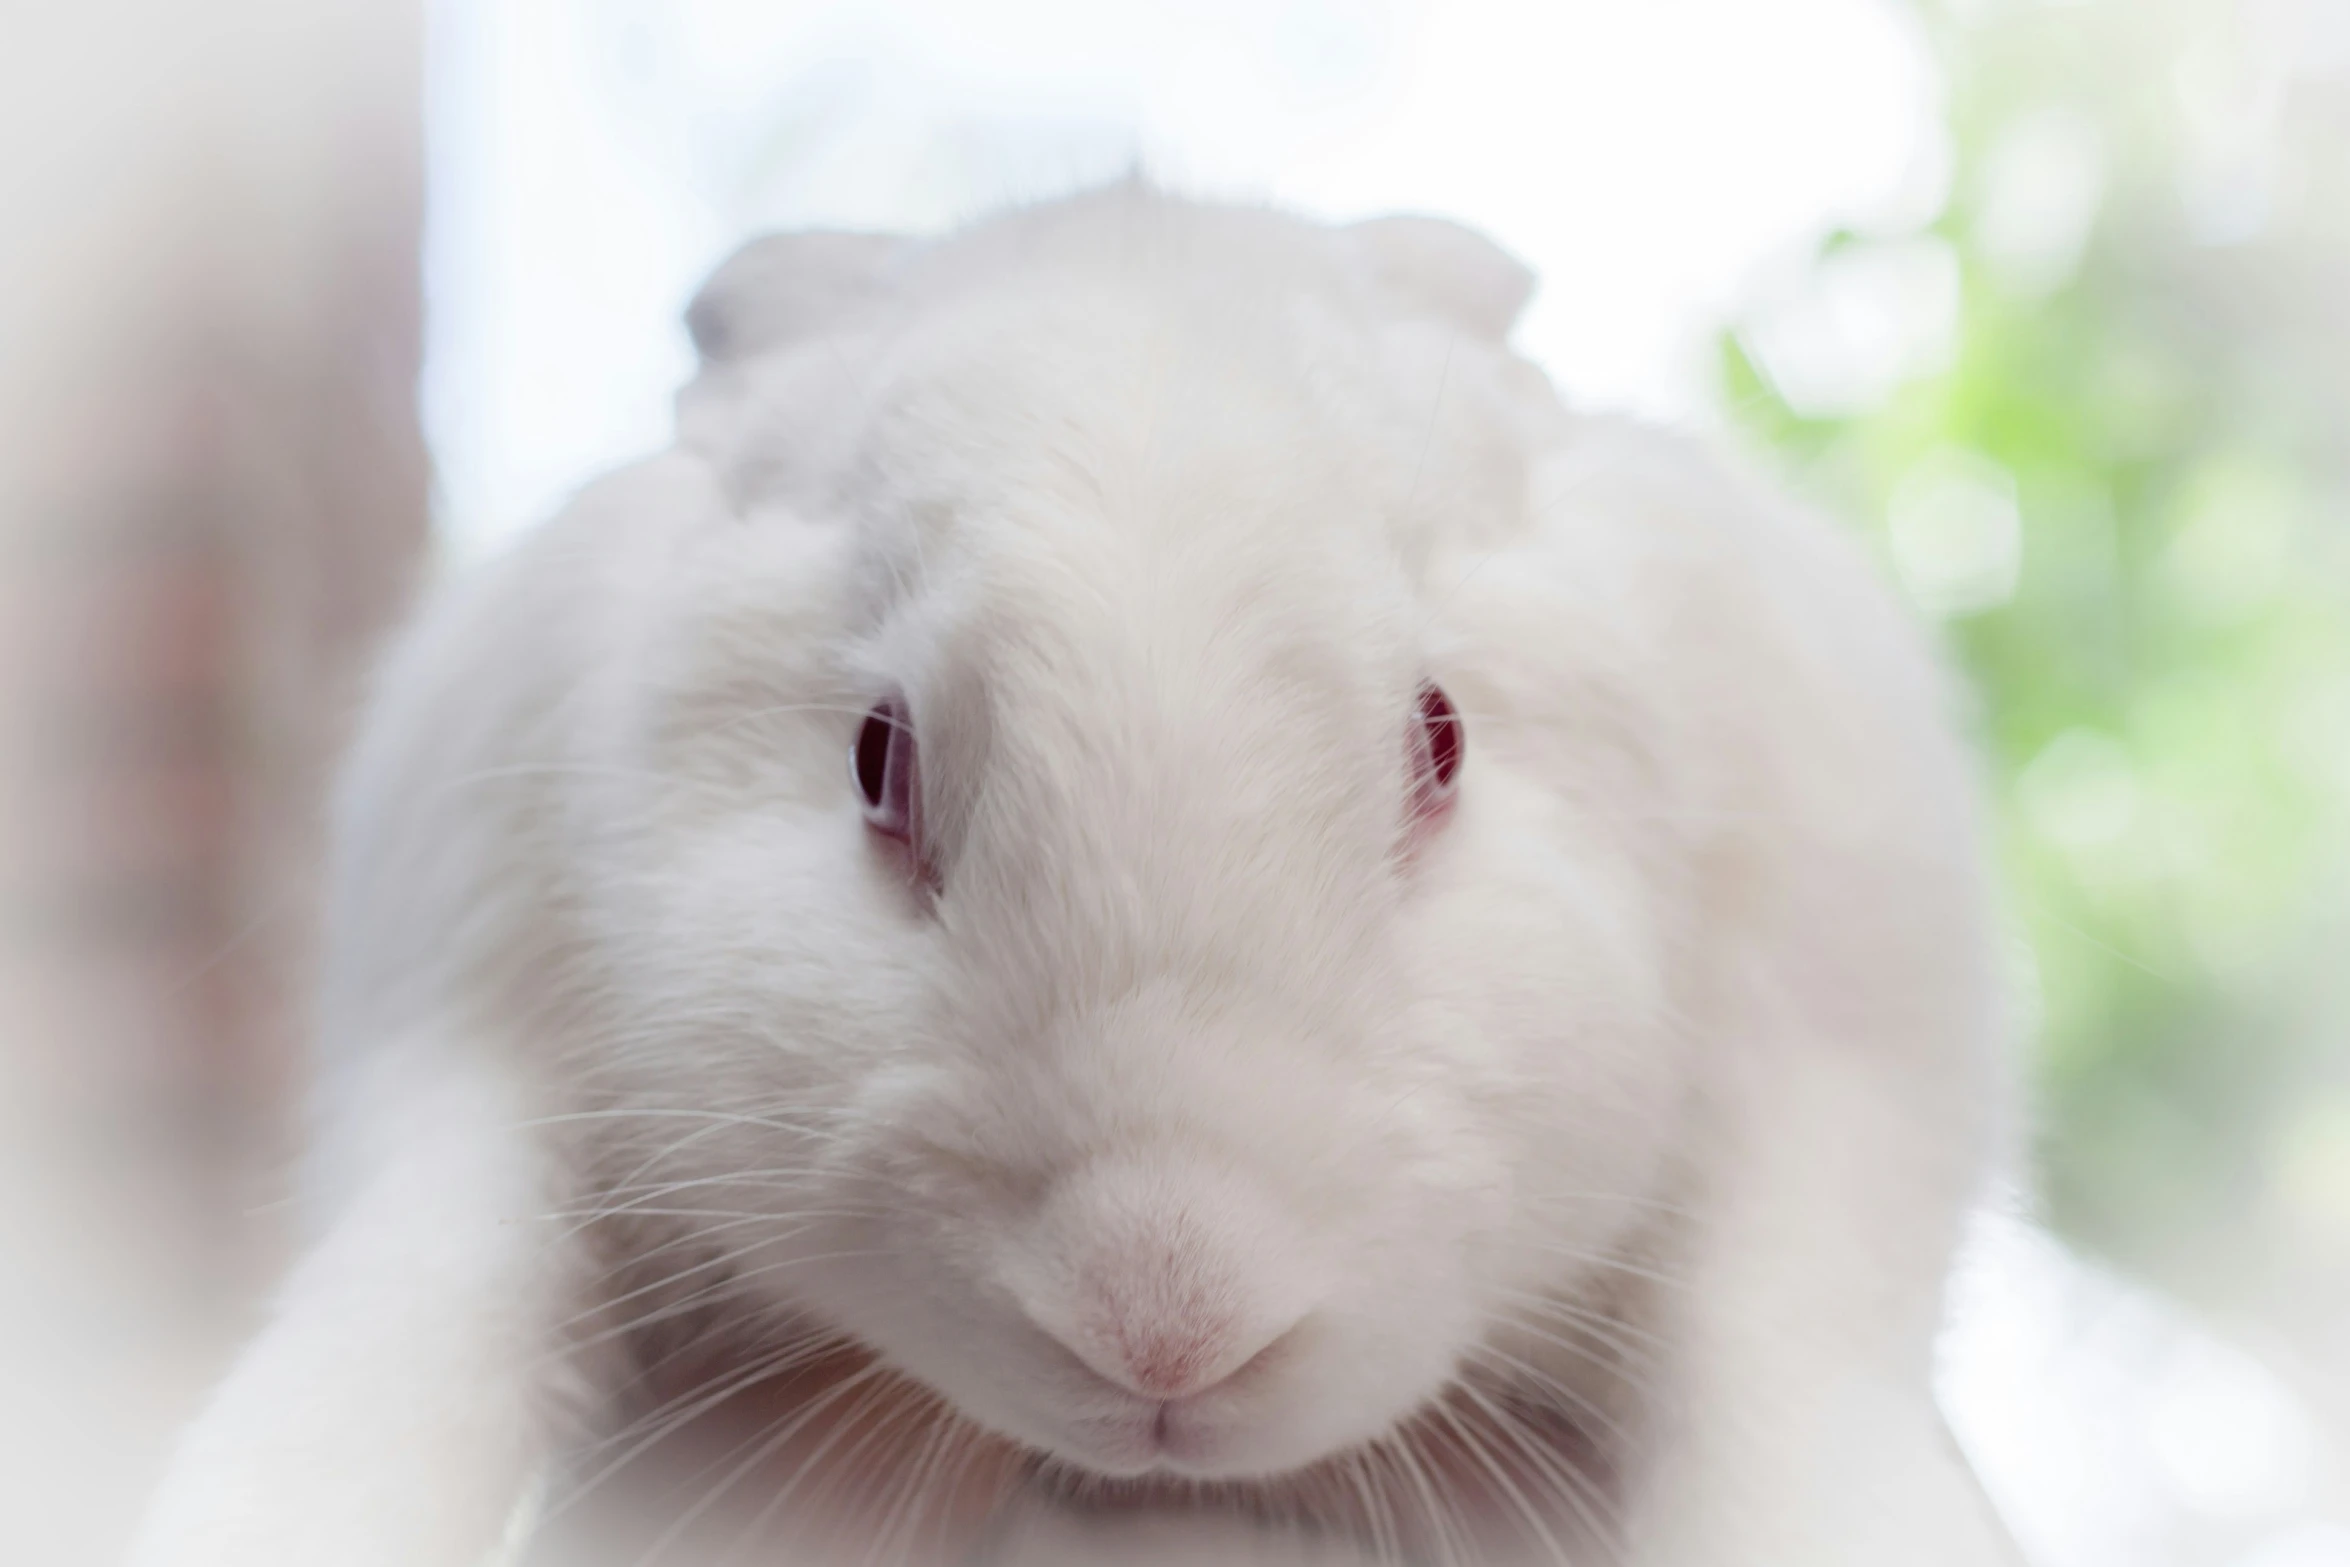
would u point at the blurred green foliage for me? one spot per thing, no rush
(2113, 463)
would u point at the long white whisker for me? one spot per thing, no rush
(761, 1450)
(1581, 1492)
(642, 1434)
(1500, 1473)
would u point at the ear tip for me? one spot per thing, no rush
(1450, 268)
(771, 287)
(708, 321)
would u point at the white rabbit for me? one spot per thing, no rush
(1136, 833)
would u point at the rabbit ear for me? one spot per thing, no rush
(780, 286)
(1447, 270)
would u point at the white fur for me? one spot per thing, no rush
(1683, 1024)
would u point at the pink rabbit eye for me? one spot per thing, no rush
(886, 770)
(1442, 727)
(1438, 748)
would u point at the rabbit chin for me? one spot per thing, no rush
(1268, 1422)
(1217, 1436)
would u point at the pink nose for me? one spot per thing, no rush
(1164, 1278)
(1164, 1349)
(1176, 1359)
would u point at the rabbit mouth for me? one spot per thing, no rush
(726, 1454)
(1480, 1474)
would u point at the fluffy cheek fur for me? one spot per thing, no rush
(1583, 1070)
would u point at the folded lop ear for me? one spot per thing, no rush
(1446, 270)
(782, 286)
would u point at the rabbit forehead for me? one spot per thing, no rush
(1111, 484)
(1094, 506)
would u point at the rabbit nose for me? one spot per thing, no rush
(1164, 1288)
(1162, 1348)
(1172, 1358)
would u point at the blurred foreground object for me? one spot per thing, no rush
(212, 492)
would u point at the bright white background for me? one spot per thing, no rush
(592, 159)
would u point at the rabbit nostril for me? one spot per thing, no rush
(1168, 1365)
(1166, 1356)
(1170, 1361)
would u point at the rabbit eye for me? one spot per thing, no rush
(885, 766)
(1438, 748)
